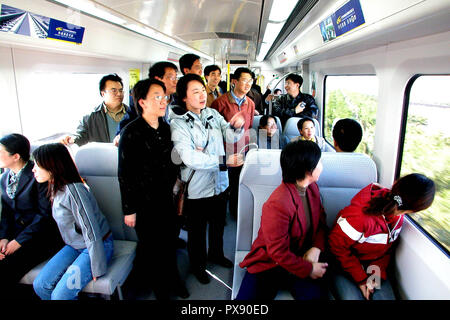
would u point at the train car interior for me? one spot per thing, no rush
(385, 64)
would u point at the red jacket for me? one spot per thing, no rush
(283, 232)
(359, 240)
(227, 107)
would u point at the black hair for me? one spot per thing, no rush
(56, 159)
(182, 86)
(241, 70)
(17, 143)
(299, 158)
(210, 68)
(140, 91)
(302, 121)
(187, 60)
(347, 133)
(415, 192)
(112, 77)
(296, 78)
(159, 69)
(276, 90)
(264, 119)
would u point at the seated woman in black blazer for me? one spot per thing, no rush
(28, 234)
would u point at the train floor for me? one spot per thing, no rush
(219, 288)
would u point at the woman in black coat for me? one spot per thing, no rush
(28, 234)
(147, 176)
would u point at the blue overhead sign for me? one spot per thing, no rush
(64, 31)
(347, 17)
(18, 21)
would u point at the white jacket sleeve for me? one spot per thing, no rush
(184, 144)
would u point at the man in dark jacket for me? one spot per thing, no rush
(294, 103)
(101, 124)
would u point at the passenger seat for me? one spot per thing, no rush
(97, 164)
(342, 177)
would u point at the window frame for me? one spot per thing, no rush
(400, 149)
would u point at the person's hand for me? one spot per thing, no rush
(366, 290)
(300, 107)
(67, 140)
(235, 160)
(12, 247)
(238, 120)
(130, 220)
(256, 113)
(269, 97)
(116, 140)
(3, 244)
(312, 255)
(318, 270)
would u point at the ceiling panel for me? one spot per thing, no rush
(210, 26)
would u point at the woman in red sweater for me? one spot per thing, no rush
(364, 232)
(288, 252)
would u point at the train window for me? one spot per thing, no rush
(352, 96)
(426, 148)
(53, 103)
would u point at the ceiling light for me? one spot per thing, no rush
(281, 9)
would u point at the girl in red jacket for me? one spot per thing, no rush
(364, 232)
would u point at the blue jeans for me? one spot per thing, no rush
(67, 273)
(347, 289)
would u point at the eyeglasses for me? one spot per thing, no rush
(160, 98)
(171, 78)
(115, 91)
(248, 81)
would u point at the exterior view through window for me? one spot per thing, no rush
(426, 149)
(353, 97)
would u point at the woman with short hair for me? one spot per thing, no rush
(198, 133)
(28, 235)
(364, 233)
(147, 176)
(83, 227)
(269, 135)
(289, 248)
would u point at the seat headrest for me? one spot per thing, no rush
(262, 167)
(97, 159)
(347, 170)
(291, 130)
(340, 170)
(256, 120)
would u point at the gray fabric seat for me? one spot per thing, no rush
(256, 120)
(97, 164)
(344, 174)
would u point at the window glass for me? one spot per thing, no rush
(426, 149)
(54, 103)
(354, 97)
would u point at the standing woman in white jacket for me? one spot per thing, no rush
(198, 134)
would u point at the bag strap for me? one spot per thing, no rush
(193, 171)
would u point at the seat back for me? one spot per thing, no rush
(256, 119)
(291, 130)
(343, 175)
(97, 164)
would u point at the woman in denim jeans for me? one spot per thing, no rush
(83, 227)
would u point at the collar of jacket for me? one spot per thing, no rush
(311, 195)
